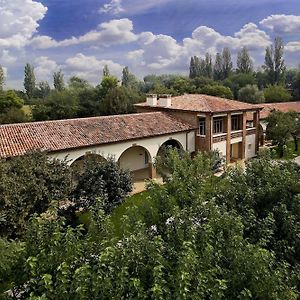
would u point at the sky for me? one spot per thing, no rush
(80, 37)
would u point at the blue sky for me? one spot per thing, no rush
(158, 36)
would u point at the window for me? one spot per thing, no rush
(218, 125)
(235, 123)
(202, 126)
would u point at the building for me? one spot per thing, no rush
(189, 122)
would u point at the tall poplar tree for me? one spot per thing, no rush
(226, 63)
(29, 80)
(2, 79)
(274, 62)
(218, 67)
(244, 62)
(106, 71)
(58, 80)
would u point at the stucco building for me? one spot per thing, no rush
(190, 122)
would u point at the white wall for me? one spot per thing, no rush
(250, 146)
(221, 146)
(116, 149)
(133, 159)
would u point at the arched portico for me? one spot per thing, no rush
(169, 144)
(79, 162)
(138, 160)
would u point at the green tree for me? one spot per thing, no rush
(119, 100)
(227, 65)
(194, 67)
(218, 67)
(217, 90)
(277, 93)
(107, 84)
(29, 80)
(251, 94)
(295, 127)
(279, 129)
(58, 81)
(43, 89)
(128, 79)
(28, 184)
(102, 179)
(58, 105)
(2, 79)
(244, 62)
(274, 62)
(76, 83)
(106, 72)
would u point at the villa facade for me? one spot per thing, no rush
(189, 122)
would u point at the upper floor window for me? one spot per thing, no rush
(202, 126)
(235, 124)
(218, 125)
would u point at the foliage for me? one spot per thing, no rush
(279, 128)
(107, 84)
(76, 83)
(197, 237)
(101, 179)
(276, 93)
(251, 94)
(58, 81)
(217, 90)
(43, 90)
(29, 80)
(128, 79)
(274, 62)
(27, 185)
(119, 100)
(227, 65)
(106, 72)
(2, 79)
(58, 105)
(244, 62)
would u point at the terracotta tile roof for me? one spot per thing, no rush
(205, 103)
(282, 106)
(17, 139)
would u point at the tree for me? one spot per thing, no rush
(43, 89)
(277, 93)
(128, 79)
(102, 179)
(119, 100)
(279, 129)
(28, 184)
(274, 62)
(226, 63)
(217, 90)
(195, 67)
(108, 83)
(218, 67)
(208, 67)
(76, 83)
(244, 62)
(251, 94)
(295, 127)
(106, 72)
(2, 79)
(58, 81)
(29, 80)
(58, 105)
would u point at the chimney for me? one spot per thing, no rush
(165, 100)
(151, 99)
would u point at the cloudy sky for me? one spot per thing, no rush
(154, 36)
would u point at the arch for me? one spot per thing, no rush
(169, 144)
(136, 159)
(78, 163)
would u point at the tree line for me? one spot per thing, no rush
(273, 82)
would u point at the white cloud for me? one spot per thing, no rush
(114, 32)
(7, 58)
(89, 67)
(293, 47)
(114, 7)
(282, 23)
(131, 7)
(45, 68)
(19, 21)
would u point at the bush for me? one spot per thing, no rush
(251, 94)
(101, 179)
(276, 93)
(217, 90)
